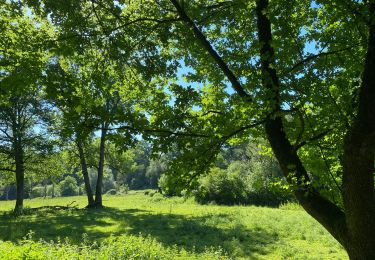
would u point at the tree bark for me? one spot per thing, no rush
(7, 192)
(86, 178)
(53, 190)
(45, 190)
(358, 161)
(99, 182)
(20, 175)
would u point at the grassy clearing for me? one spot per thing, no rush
(142, 227)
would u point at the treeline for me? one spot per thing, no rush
(133, 169)
(240, 175)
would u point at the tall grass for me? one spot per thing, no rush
(170, 228)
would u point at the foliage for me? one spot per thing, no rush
(192, 78)
(123, 247)
(38, 191)
(68, 187)
(167, 187)
(233, 186)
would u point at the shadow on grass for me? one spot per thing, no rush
(188, 232)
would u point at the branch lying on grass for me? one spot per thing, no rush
(72, 205)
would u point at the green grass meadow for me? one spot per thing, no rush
(139, 226)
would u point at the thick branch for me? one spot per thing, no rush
(327, 213)
(311, 139)
(237, 86)
(7, 170)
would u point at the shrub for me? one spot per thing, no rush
(223, 188)
(37, 191)
(167, 187)
(68, 187)
(123, 189)
(82, 189)
(53, 190)
(240, 184)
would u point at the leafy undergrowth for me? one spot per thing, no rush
(123, 247)
(138, 226)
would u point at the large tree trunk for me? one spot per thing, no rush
(86, 178)
(358, 162)
(327, 213)
(99, 182)
(356, 228)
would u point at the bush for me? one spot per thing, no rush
(222, 188)
(167, 187)
(37, 191)
(240, 184)
(123, 189)
(82, 189)
(68, 187)
(53, 191)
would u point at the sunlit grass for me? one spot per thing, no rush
(242, 232)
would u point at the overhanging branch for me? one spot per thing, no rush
(237, 86)
(312, 57)
(313, 138)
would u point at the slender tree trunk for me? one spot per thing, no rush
(20, 177)
(99, 182)
(7, 192)
(53, 190)
(86, 178)
(45, 189)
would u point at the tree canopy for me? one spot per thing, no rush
(192, 77)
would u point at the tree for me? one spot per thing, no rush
(93, 92)
(115, 74)
(22, 108)
(298, 88)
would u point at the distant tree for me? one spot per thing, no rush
(154, 171)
